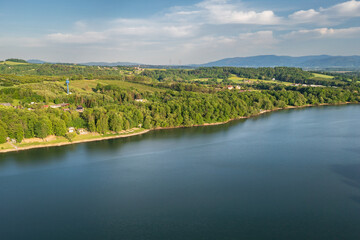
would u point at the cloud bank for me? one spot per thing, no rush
(208, 30)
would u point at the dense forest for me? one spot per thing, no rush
(149, 98)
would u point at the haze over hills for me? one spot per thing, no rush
(313, 62)
(317, 61)
(111, 64)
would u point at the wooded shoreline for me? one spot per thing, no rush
(162, 128)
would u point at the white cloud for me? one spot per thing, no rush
(331, 15)
(345, 9)
(222, 12)
(304, 15)
(353, 32)
(82, 38)
(178, 22)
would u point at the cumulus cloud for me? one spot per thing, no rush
(345, 9)
(331, 15)
(222, 12)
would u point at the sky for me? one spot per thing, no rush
(176, 32)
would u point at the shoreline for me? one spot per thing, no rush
(162, 128)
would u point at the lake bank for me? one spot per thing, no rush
(97, 137)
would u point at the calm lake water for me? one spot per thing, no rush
(293, 174)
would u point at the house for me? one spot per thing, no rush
(230, 87)
(140, 100)
(238, 87)
(71, 129)
(6, 104)
(45, 106)
(79, 109)
(56, 106)
(273, 79)
(82, 131)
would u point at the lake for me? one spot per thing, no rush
(292, 174)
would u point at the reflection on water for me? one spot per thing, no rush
(351, 177)
(35, 156)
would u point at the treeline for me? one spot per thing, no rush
(118, 111)
(286, 74)
(15, 60)
(73, 71)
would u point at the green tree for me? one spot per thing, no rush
(115, 122)
(41, 129)
(102, 125)
(19, 133)
(91, 124)
(59, 127)
(3, 135)
(147, 123)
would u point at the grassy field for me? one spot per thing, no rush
(53, 88)
(242, 80)
(56, 140)
(6, 146)
(129, 85)
(12, 63)
(318, 75)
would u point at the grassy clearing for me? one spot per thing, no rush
(130, 85)
(6, 146)
(237, 79)
(318, 75)
(55, 141)
(89, 85)
(82, 85)
(13, 63)
(53, 88)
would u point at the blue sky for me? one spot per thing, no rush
(176, 32)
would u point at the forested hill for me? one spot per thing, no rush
(320, 61)
(35, 103)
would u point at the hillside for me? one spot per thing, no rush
(114, 101)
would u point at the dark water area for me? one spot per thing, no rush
(293, 174)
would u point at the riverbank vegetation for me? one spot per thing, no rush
(111, 100)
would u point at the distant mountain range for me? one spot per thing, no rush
(318, 61)
(112, 64)
(310, 62)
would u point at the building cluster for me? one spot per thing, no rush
(139, 69)
(306, 85)
(80, 131)
(140, 100)
(230, 87)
